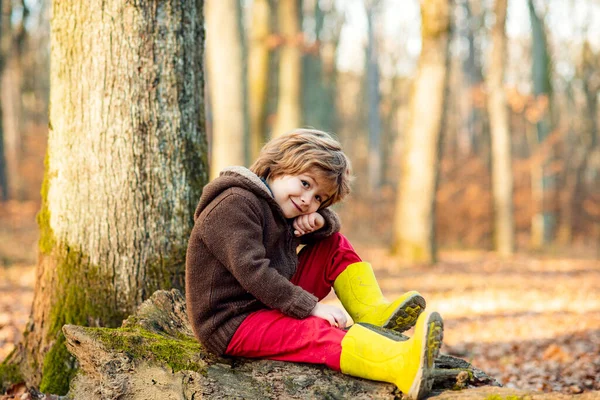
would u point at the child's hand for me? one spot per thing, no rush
(334, 315)
(308, 223)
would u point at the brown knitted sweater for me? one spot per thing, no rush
(241, 256)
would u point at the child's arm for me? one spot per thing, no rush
(331, 225)
(233, 232)
(308, 223)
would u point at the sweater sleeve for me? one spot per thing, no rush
(232, 231)
(332, 225)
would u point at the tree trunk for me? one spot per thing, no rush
(154, 355)
(125, 167)
(3, 178)
(319, 76)
(473, 121)
(373, 101)
(414, 219)
(11, 98)
(543, 184)
(289, 104)
(502, 180)
(225, 83)
(586, 147)
(3, 175)
(258, 74)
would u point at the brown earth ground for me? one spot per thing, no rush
(532, 321)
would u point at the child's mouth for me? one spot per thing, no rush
(296, 205)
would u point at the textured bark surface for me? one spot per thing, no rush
(226, 77)
(125, 166)
(502, 180)
(413, 226)
(154, 355)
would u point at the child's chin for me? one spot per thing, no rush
(290, 215)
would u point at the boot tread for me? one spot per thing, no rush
(406, 314)
(434, 335)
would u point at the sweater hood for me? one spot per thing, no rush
(236, 176)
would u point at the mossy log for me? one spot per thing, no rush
(155, 355)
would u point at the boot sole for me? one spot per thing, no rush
(432, 337)
(406, 315)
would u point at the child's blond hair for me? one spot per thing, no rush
(304, 150)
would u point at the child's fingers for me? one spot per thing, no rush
(340, 320)
(301, 225)
(330, 319)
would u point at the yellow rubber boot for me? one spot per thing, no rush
(361, 296)
(407, 364)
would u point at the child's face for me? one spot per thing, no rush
(299, 194)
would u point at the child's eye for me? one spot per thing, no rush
(318, 198)
(304, 183)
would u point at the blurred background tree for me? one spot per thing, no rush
(520, 109)
(502, 180)
(226, 84)
(414, 225)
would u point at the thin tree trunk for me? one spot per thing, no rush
(373, 102)
(474, 121)
(258, 73)
(544, 220)
(319, 77)
(502, 179)
(10, 99)
(125, 167)
(414, 219)
(3, 176)
(290, 68)
(225, 74)
(586, 146)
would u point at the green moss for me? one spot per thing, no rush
(47, 240)
(180, 353)
(59, 369)
(508, 397)
(9, 375)
(81, 298)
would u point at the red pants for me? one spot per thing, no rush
(273, 335)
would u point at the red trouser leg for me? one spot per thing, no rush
(273, 335)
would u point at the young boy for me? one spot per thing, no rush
(249, 293)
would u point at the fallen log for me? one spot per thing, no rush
(155, 355)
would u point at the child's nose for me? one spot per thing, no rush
(306, 197)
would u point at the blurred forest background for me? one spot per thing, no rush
(445, 111)
(348, 67)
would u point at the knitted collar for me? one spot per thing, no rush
(260, 183)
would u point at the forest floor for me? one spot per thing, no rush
(531, 321)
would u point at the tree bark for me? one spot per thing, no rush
(502, 180)
(414, 219)
(125, 166)
(258, 74)
(289, 104)
(154, 355)
(225, 73)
